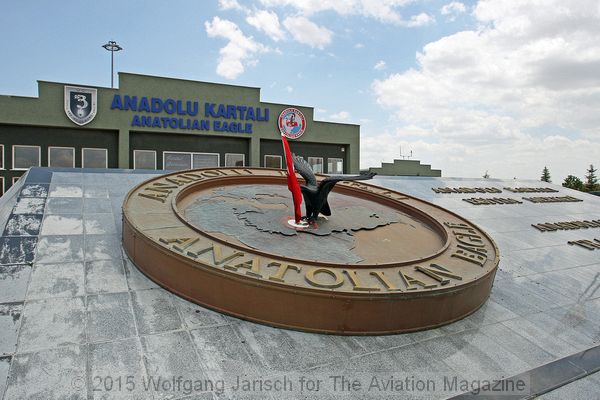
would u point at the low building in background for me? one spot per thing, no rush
(406, 168)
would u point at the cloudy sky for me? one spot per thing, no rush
(504, 86)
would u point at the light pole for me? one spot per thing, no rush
(112, 46)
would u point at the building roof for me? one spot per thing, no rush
(78, 320)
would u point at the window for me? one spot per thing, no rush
(175, 160)
(205, 160)
(1, 156)
(272, 161)
(26, 156)
(94, 158)
(15, 179)
(1, 185)
(144, 159)
(235, 160)
(61, 157)
(316, 163)
(335, 166)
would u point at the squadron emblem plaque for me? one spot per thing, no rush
(80, 104)
(382, 262)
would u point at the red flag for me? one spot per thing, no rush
(293, 184)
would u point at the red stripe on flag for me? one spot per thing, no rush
(293, 184)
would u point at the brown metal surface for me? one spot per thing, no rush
(224, 275)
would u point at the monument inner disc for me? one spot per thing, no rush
(360, 231)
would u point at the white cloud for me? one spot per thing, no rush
(381, 10)
(239, 50)
(455, 7)
(419, 20)
(267, 22)
(519, 92)
(359, 46)
(381, 65)
(289, 89)
(341, 116)
(307, 32)
(229, 5)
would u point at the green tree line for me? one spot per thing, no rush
(589, 184)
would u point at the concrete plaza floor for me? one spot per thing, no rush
(79, 321)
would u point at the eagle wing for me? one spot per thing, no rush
(302, 167)
(328, 183)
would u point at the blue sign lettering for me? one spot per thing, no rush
(224, 115)
(144, 105)
(130, 103)
(157, 105)
(169, 106)
(116, 103)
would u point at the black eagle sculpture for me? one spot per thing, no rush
(315, 195)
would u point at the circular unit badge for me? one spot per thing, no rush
(292, 123)
(382, 262)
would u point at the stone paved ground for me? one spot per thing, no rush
(584, 389)
(79, 321)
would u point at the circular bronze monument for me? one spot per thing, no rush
(383, 262)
